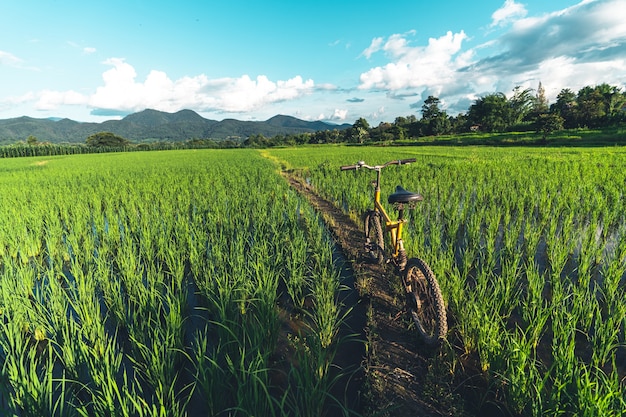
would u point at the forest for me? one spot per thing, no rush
(525, 110)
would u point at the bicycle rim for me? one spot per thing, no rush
(374, 238)
(425, 302)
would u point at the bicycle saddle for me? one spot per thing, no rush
(403, 196)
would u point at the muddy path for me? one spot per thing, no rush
(399, 373)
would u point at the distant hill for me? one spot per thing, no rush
(153, 125)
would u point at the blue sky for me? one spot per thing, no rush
(316, 60)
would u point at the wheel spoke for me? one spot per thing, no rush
(375, 245)
(425, 301)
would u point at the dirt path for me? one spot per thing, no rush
(397, 367)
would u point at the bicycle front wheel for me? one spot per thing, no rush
(374, 238)
(425, 301)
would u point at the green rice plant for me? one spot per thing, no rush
(106, 257)
(523, 374)
(311, 383)
(115, 280)
(209, 374)
(27, 371)
(522, 238)
(597, 394)
(536, 310)
(108, 396)
(252, 396)
(324, 284)
(295, 278)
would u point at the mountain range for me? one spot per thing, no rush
(153, 125)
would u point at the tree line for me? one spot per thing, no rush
(32, 147)
(524, 111)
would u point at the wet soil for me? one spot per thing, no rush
(397, 370)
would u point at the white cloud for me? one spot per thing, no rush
(326, 86)
(374, 47)
(122, 91)
(339, 114)
(509, 12)
(12, 102)
(50, 100)
(8, 59)
(336, 115)
(563, 72)
(378, 113)
(86, 49)
(413, 67)
(246, 94)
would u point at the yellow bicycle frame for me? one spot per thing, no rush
(393, 227)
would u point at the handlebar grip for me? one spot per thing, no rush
(349, 167)
(407, 161)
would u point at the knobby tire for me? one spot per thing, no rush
(374, 238)
(425, 301)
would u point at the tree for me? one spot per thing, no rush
(548, 123)
(360, 130)
(361, 123)
(256, 141)
(106, 139)
(591, 107)
(430, 109)
(566, 107)
(459, 123)
(382, 132)
(539, 103)
(434, 120)
(521, 104)
(32, 140)
(613, 99)
(491, 112)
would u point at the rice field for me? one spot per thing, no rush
(198, 283)
(163, 284)
(529, 247)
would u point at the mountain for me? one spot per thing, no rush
(153, 125)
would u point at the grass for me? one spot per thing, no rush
(528, 246)
(152, 284)
(582, 137)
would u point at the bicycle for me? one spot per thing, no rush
(424, 298)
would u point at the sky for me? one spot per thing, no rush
(335, 61)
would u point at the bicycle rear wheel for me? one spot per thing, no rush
(425, 301)
(374, 238)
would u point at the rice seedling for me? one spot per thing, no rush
(528, 247)
(150, 284)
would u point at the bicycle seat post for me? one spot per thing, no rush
(400, 208)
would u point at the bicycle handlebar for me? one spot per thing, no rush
(349, 167)
(362, 164)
